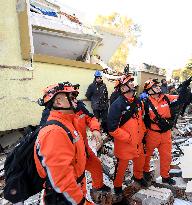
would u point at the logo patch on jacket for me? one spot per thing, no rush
(128, 107)
(77, 137)
(164, 105)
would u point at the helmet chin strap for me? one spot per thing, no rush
(130, 90)
(67, 108)
(154, 93)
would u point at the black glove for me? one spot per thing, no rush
(187, 82)
(183, 90)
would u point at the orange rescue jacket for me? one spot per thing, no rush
(62, 161)
(162, 108)
(128, 137)
(87, 121)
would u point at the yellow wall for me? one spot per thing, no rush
(20, 88)
(10, 52)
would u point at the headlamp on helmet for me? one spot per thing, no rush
(150, 83)
(52, 90)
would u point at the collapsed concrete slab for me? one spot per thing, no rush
(153, 196)
(178, 190)
(186, 160)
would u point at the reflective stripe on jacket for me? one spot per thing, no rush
(62, 161)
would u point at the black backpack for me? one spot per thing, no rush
(21, 177)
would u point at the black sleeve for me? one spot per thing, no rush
(106, 92)
(89, 92)
(114, 116)
(114, 96)
(191, 98)
(184, 91)
(81, 106)
(45, 115)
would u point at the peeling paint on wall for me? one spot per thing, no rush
(20, 6)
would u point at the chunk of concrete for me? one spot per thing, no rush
(188, 191)
(178, 190)
(10, 138)
(186, 160)
(153, 196)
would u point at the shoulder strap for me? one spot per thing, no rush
(133, 110)
(167, 99)
(146, 106)
(154, 109)
(55, 122)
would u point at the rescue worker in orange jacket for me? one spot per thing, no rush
(126, 125)
(58, 159)
(93, 164)
(159, 121)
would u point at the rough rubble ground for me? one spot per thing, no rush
(182, 136)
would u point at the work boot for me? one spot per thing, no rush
(169, 181)
(142, 182)
(118, 196)
(97, 194)
(147, 176)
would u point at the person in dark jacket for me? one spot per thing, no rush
(126, 126)
(188, 96)
(172, 90)
(98, 95)
(164, 87)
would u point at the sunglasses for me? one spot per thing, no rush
(98, 77)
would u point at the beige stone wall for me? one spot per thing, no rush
(144, 76)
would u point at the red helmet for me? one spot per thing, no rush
(52, 90)
(149, 83)
(123, 80)
(126, 78)
(76, 88)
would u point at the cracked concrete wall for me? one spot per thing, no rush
(20, 90)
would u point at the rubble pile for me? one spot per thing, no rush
(156, 196)
(158, 193)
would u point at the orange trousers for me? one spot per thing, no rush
(122, 165)
(163, 142)
(93, 165)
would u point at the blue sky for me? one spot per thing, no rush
(166, 27)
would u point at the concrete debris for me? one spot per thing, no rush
(178, 190)
(189, 187)
(186, 160)
(181, 202)
(108, 165)
(108, 149)
(153, 196)
(10, 138)
(159, 193)
(130, 190)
